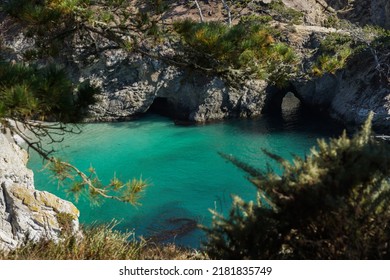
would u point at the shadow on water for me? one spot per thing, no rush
(293, 117)
(167, 223)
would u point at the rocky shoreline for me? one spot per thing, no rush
(133, 83)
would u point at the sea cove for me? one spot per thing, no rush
(187, 176)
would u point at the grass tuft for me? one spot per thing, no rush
(100, 243)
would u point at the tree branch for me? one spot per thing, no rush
(228, 11)
(200, 11)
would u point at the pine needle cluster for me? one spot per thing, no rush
(89, 184)
(42, 93)
(334, 50)
(333, 204)
(248, 46)
(57, 26)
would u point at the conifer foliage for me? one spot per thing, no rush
(333, 204)
(38, 100)
(248, 47)
(41, 105)
(42, 93)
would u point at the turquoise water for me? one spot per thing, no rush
(182, 164)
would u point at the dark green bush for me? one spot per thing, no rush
(335, 50)
(44, 93)
(333, 204)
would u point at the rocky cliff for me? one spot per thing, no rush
(362, 11)
(351, 93)
(133, 82)
(27, 214)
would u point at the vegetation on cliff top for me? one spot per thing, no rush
(252, 47)
(249, 46)
(336, 49)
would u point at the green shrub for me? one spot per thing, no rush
(333, 204)
(44, 93)
(100, 243)
(335, 50)
(58, 26)
(248, 46)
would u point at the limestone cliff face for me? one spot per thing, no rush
(25, 213)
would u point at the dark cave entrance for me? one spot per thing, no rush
(161, 106)
(164, 107)
(279, 100)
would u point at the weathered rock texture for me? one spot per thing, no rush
(25, 213)
(358, 11)
(351, 93)
(363, 11)
(131, 83)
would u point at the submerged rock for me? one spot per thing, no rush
(25, 213)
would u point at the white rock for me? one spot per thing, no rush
(25, 213)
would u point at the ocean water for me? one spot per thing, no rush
(187, 176)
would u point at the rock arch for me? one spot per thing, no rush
(274, 98)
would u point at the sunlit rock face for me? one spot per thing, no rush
(25, 213)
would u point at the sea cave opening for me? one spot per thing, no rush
(165, 107)
(161, 106)
(281, 100)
